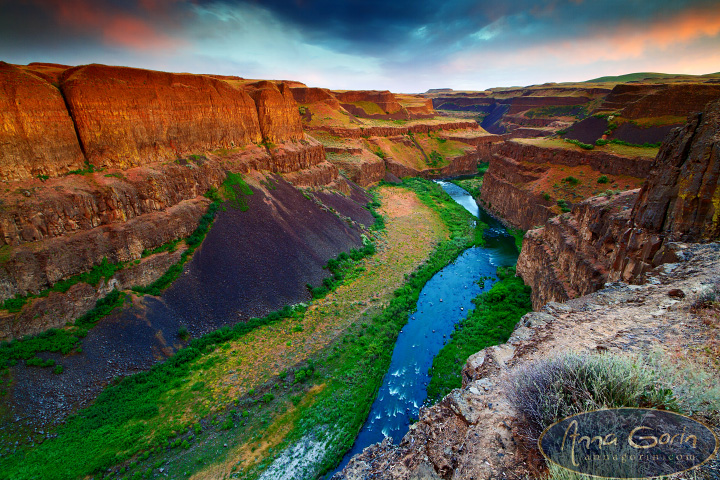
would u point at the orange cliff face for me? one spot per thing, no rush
(37, 134)
(277, 111)
(128, 117)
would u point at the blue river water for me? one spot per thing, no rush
(444, 301)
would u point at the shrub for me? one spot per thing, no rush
(603, 179)
(600, 142)
(564, 207)
(585, 146)
(435, 159)
(546, 196)
(553, 389)
(183, 332)
(571, 180)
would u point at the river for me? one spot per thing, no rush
(444, 301)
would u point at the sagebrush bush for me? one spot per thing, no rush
(550, 390)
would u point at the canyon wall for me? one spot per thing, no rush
(108, 162)
(37, 135)
(649, 100)
(516, 167)
(630, 235)
(127, 117)
(119, 117)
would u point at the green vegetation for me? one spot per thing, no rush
(631, 77)
(603, 179)
(104, 270)
(636, 145)
(483, 167)
(341, 266)
(490, 323)
(473, 184)
(546, 196)
(577, 111)
(89, 168)
(62, 340)
(234, 190)
(125, 420)
(552, 389)
(518, 234)
(571, 180)
(564, 207)
(435, 159)
(585, 146)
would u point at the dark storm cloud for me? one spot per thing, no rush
(376, 27)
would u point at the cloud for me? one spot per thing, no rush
(401, 45)
(140, 26)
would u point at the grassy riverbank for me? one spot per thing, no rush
(233, 399)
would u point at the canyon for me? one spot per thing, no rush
(210, 203)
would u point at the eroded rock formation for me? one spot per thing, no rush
(37, 136)
(127, 117)
(630, 235)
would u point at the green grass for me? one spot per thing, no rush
(490, 323)
(104, 270)
(57, 340)
(584, 146)
(124, 421)
(577, 111)
(518, 235)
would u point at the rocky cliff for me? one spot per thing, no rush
(626, 237)
(277, 112)
(148, 146)
(525, 180)
(37, 136)
(127, 117)
(649, 100)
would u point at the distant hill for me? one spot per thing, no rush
(634, 77)
(630, 77)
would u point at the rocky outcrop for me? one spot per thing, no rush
(651, 100)
(359, 165)
(571, 254)
(305, 95)
(384, 99)
(277, 112)
(681, 200)
(605, 240)
(477, 432)
(364, 131)
(37, 136)
(465, 164)
(515, 165)
(604, 162)
(127, 117)
(517, 206)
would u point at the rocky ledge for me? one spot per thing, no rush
(475, 432)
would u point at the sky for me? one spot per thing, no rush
(403, 45)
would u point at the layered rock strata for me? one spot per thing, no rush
(127, 117)
(37, 135)
(627, 237)
(514, 165)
